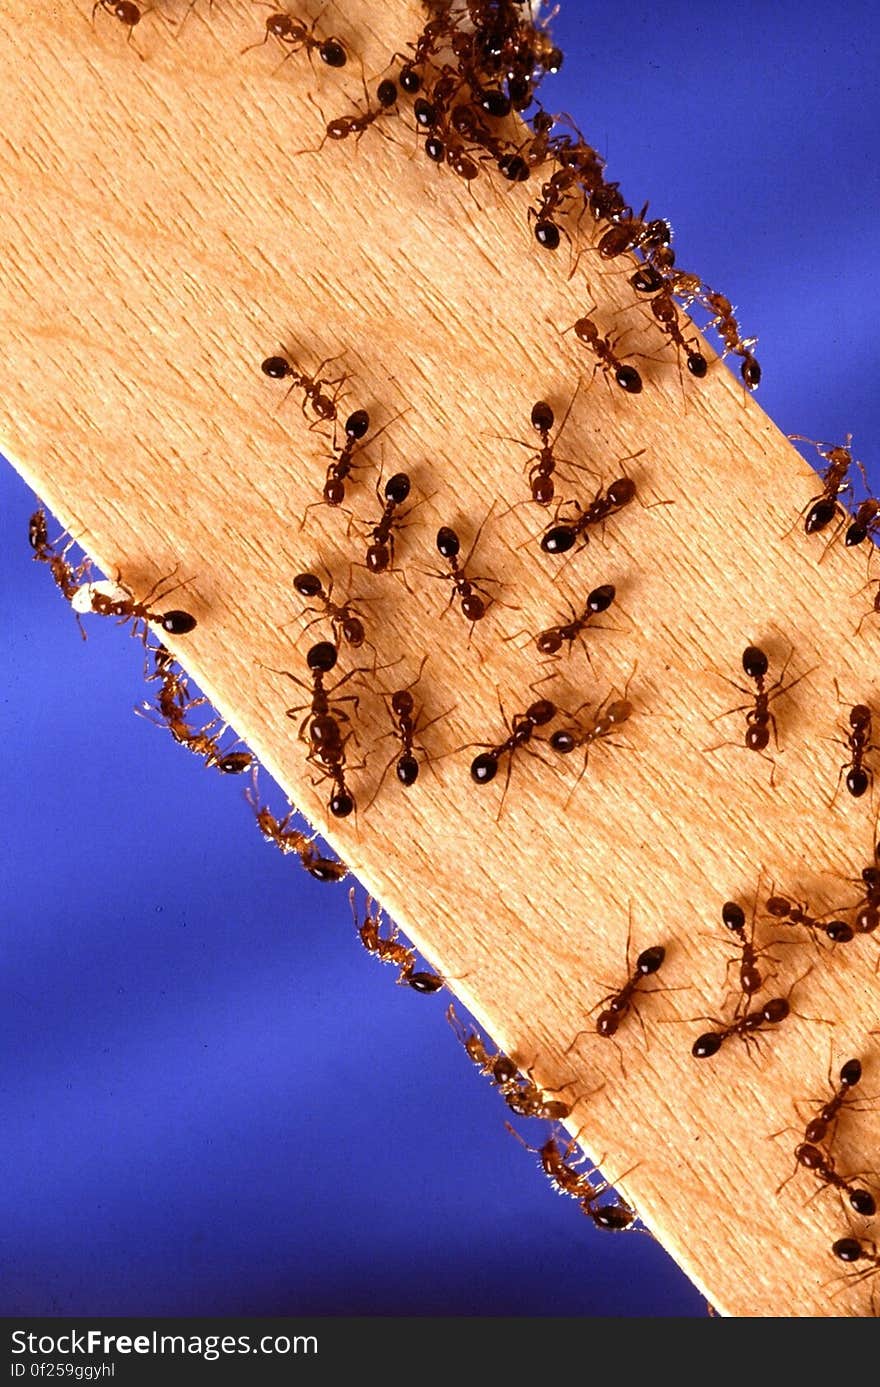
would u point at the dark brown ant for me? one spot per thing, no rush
(520, 1092)
(67, 579)
(851, 1250)
(174, 705)
(759, 719)
(562, 535)
(342, 126)
(321, 658)
(554, 193)
(565, 1179)
(605, 351)
(823, 508)
(551, 641)
(340, 468)
(295, 36)
(111, 599)
(38, 534)
(388, 949)
(326, 742)
(665, 311)
(290, 840)
(344, 618)
(475, 602)
(809, 1157)
(611, 714)
(747, 1025)
(634, 233)
(751, 979)
(484, 767)
(787, 912)
(850, 1076)
(817, 1128)
(544, 461)
(407, 724)
(616, 1005)
(324, 406)
(859, 777)
(380, 552)
(865, 523)
(126, 12)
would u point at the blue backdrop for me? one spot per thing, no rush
(187, 1125)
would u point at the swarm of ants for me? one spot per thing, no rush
(467, 85)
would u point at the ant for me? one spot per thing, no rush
(750, 978)
(543, 462)
(38, 535)
(484, 767)
(66, 578)
(344, 619)
(126, 12)
(331, 763)
(326, 743)
(605, 351)
(822, 509)
(759, 719)
(467, 590)
(790, 913)
(616, 1004)
(390, 950)
(293, 35)
(865, 523)
(380, 553)
(520, 1092)
(858, 1250)
(562, 536)
(609, 716)
(850, 1075)
(823, 1167)
(321, 658)
(173, 703)
(324, 406)
(290, 840)
(565, 1179)
(341, 467)
(342, 126)
(112, 599)
(553, 196)
(746, 1025)
(858, 776)
(407, 724)
(665, 311)
(550, 641)
(634, 233)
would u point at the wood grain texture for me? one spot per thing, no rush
(161, 234)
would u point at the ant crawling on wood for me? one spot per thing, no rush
(113, 599)
(759, 719)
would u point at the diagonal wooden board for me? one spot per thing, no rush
(161, 236)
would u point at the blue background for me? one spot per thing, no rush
(213, 1101)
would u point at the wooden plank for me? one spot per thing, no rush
(166, 474)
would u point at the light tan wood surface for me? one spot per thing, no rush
(161, 235)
